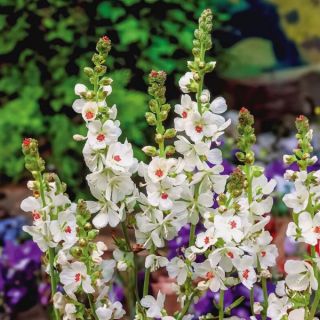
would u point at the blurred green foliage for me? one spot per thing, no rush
(44, 46)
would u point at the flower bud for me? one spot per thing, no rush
(150, 151)
(158, 138)
(205, 96)
(122, 265)
(151, 118)
(163, 115)
(78, 137)
(257, 308)
(170, 150)
(88, 71)
(170, 133)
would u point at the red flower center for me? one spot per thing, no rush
(159, 173)
(89, 115)
(77, 277)
(26, 142)
(117, 158)
(100, 137)
(154, 73)
(164, 196)
(317, 229)
(206, 240)
(243, 110)
(184, 114)
(199, 128)
(36, 215)
(233, 224)
(67, 229)
(230, 255)
(245, 274)
(263, 253)
(209, 275)
(105, 39)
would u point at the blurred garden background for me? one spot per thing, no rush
(268, 59)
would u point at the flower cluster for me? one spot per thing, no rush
(183, 188)
(293, 297)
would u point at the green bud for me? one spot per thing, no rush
(163, 115)
(92, 234)
(151, 118)
(166, 107)
(170, 133)
(88, 71)
(170, 150)
(105, 81)
(150, 151)
(158, 138)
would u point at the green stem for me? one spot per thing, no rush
(252, 300)
(134, 276)
(221, 305)
(147, 276)
(201, 74)
(92, 308)
(315, 304)
(186, 307)
(192, 236)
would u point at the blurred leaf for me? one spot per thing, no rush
(249, 57)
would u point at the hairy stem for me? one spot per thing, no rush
(221, 305)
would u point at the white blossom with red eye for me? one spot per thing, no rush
(64, 229)
(33, 205)
(205, 125)
(204, 240)
(308, 227)
(229, 228)
(158, 168)
(246, 271)
(297, 200)
(184, 110)
(102, 134)
(73, 276)
(120, 158)
(163, 195)
(213, 276)
(227, 257)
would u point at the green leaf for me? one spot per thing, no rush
(109, 11)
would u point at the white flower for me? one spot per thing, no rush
(158, 168)
(59, 301)
(155, 262)
(41, 235)
(110, 311)
(278, 307)
(32, 204)
(154, 306)
(218, 105)
(185, 110)
(94, 159)
(73, 276)
(309, 228)
(196, 154)
(226, 256)
(102, 134)
(88, 109)
(177, 269)
(213, 275)
(123, 259)
(108, 213)
(158, 227)
(185, 82)
(69, 312)
(229, 228)
(204, 240)
(297, 314)
(120, 157)
(65, 229)
(201, 126)
(97, 253)
(163, 195)
(297, 200)
(246, 271)
(300, 275)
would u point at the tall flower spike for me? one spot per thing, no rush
(302, 279)
(159, 111)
